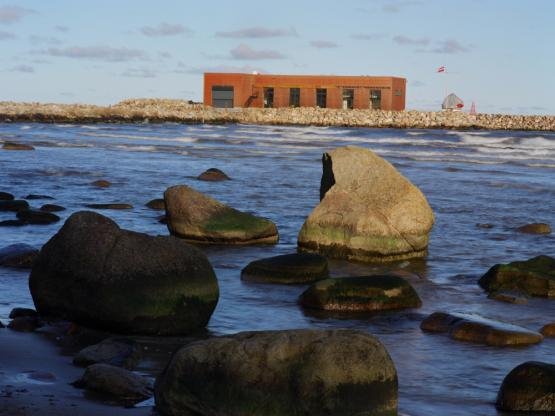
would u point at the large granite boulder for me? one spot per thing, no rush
(535, 277)
(361, 294)
(294, 372)
(94, 273)
(195, 217)
(529, 387)
(297, 268)
(368, 210)
(480, 330)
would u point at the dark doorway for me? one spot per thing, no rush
(294, 97)
(222, 96)
(268, 97)
(348, 98)
(321, 95)
(375, 99)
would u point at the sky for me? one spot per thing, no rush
(497, 53)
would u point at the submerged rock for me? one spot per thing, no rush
(198, 218)
(23, 312)
(213, 175)
(368, 210)
(535, 277)
(529, 387)
(14, 205)
(5, 196)
(37, 196)
(101, 183)
(548, 330)
(109, 206)
(18, 255)
(156, 204)
(52, 208)
(31, 216)
(287, 269)
(17, 146)
(535, 228)
(24, 323)
(361, 294)
(294, 372)
(121, 352)
(96, 274)
(474, 328)
(12, 223)
(121, 384)
(509, 297)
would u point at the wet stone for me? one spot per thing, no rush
(110, 206)
(101, 183)
(52, 208)
(535, 228)
(12, 223)
(37, 196)
(509, 297)
(156, 204)
(213, 175)
(24, 324)
(23, 312)
(5, 196)
(287, 269)
(14, 205)
(548, 330)
(18, 255)
(17, 146)
(121, 352)
(37, 217)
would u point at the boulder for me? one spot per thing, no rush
(120, 384)
(287, 269)
(5, 196)
(37, 196)
(52, 208)
(17, 146)
(109, 206)
(14, 205)
(31, 216)
(368, 210)
(121, 352)
(474, 328)
(213, 175)
(548, 330)
(23, 312)
(529, 387)
(24, 324)
(12, 223)
(101, 183)
(535, 228)
(361, 294)
(18, 255)
(293, 372)
(509, 297)
(156, 204)
(535, 277)
(96, 274)
(198, 218)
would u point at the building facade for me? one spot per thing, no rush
(227, 90)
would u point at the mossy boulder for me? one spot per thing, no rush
(213, 175)
(535, 277)
(287, 269)
(361, 294)
(480, 330)
(96, 274)
(17, 146)
(529, 387)
(368, 210)
(271, 373)
(195, 217)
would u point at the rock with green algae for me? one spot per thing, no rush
(196, 217)
(270, 373)
(294, 268)
(96, 274)
(368, 210)
(361, 294)
(535, 277)
(529, 387)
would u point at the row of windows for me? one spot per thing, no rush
(321, 98)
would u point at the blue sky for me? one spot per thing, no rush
(498, 53)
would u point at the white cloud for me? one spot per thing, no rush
(405, 40)
(323, 44)
(99, 53)
(6, 35)
(166, 29)
(139, 73)
(27, 69)
(258, 32)
(245, 52)
(11, 14)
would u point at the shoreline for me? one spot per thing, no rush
(180, 111)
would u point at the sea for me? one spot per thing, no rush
(481, 185)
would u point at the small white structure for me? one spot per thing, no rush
(452, 102)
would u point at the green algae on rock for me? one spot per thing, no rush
(368, 211)
(96, 274)
(361, 294)
(535, 277)
(287, 269)
(277, 373)
(196, 217)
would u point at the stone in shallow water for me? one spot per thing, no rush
(368, 210)
(22, 312)
(121, 352)
(548, 330)
(24, 324)
(535, 228)
(5, 196)
(14, 205)
(37, 196)
(101, 183)
(361, 294)
(509, 297)
(31, 216)
(17, 146)
(195, 217)
(18, 255)
(156, 204)
(535, 277)
(529, 387)
(213, 175)
(474, 328)
(52, 208)
(293, 372)
(109, 206)
(287, 269)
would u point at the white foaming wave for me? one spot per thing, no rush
(88, 127)
(416, 133)
(137, 148)
(183, 139)
(25, 127)
(65, 126)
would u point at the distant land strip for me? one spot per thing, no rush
(180, 111)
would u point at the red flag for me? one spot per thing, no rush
(441, 69)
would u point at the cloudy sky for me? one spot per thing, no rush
(498, 53)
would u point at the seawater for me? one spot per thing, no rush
(502, 178)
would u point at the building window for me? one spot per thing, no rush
(268, 97)
(294, 97)
(222, 96)
(321, 94)
(375, 99)
(348, 98)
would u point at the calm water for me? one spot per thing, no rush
(505, 179)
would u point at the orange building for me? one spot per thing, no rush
(227, 90)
